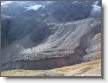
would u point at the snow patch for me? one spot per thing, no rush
(34, 7)
(96, 7)
(5, 2)
(96, 11)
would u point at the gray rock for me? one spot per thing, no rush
(66, 46)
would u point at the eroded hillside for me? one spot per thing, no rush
(70, 44)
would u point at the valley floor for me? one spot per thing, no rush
(90, 68)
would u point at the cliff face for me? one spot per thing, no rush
(71, 43)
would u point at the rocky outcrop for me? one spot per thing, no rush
(67, 46)
(94, 51)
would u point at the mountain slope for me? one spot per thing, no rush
(66, 46)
